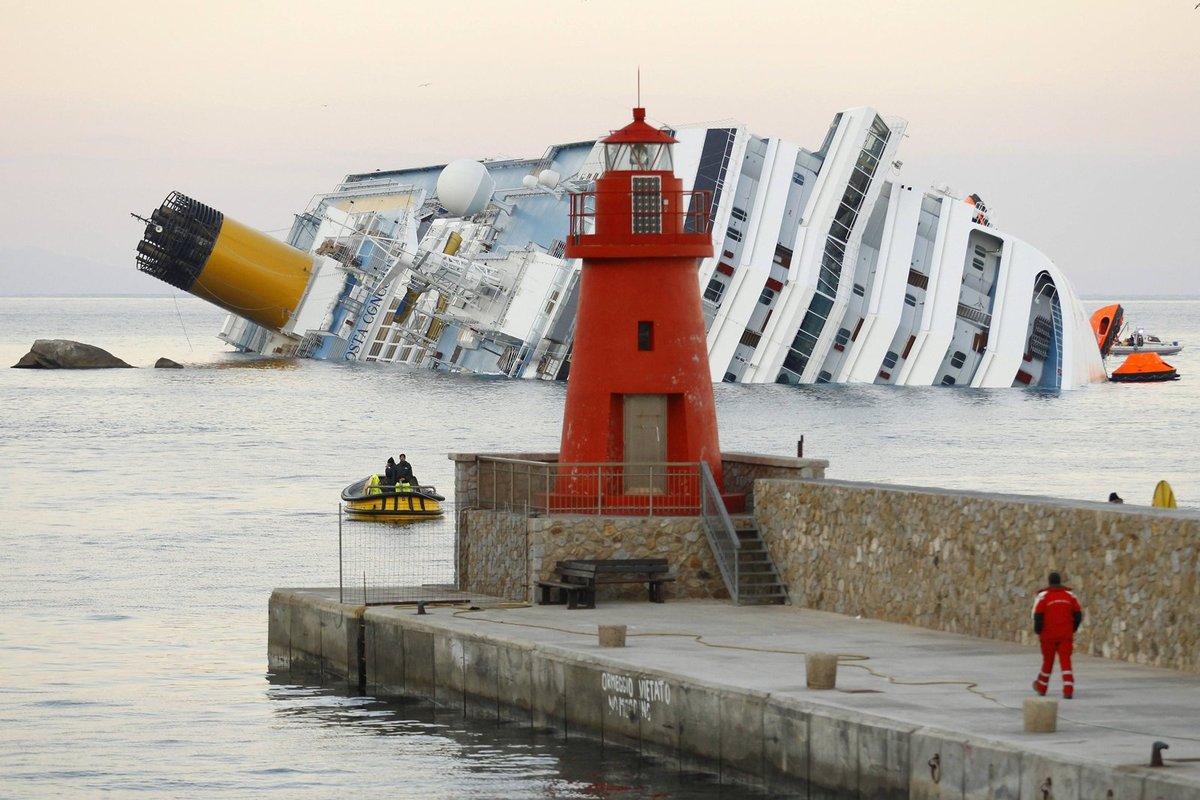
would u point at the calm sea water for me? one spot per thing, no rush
(146, 515)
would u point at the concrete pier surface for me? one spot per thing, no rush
(914, 713)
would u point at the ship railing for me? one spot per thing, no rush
(975, 315)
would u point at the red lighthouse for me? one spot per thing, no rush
(639, 390)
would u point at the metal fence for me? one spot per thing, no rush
(650, 489)
(397, 562)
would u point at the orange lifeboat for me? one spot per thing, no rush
(1106, 323)
(1144, 368)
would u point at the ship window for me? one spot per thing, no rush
(977, 263)
(909, 300)
(734, 234)
(824, 377)
(766, 297)
(890, 359)
(375, 348)
(859, 289)
(714, 291)
(948, 380)
(645, 335)
(729, 378)
(795, 362)
(798, 178)
(958, 359)
(843, 336)
(738, 214)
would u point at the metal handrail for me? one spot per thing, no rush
(549, 488)
(722, 536)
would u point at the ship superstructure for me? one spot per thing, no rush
(827, 268)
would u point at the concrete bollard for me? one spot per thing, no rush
(1041, 715)
(821, 669)
(612, 635)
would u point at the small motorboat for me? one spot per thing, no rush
(372, 498)
(1144, 368)
(1141, 342)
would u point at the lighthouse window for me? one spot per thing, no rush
(646, 335)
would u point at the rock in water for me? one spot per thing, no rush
(166, 363)
(65, 354)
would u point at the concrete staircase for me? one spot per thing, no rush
(758, 580)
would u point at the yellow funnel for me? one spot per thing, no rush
(201, 251)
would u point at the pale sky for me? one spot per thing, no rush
(1077, 122)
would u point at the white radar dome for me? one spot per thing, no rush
(549, 178)
(464, 187)
(529, 181)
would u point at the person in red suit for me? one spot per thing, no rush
(1056, 616)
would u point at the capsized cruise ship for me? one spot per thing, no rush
(828, 268)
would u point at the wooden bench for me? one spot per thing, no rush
(571, 593)
(576, 579)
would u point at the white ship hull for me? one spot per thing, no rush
(827, 269)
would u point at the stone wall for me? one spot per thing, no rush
(743, 469)
(505, 554)
(972, 563)
(680, 540)
(494, 559)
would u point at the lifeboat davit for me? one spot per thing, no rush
(1106, 323)
(1144, 368)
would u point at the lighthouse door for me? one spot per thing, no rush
(645, 443)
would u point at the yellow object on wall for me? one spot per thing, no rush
(1164, 495)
